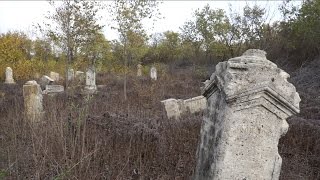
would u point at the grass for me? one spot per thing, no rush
(105, 137)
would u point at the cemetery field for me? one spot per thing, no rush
(104, 136)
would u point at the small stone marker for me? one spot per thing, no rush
(32, 95)
(249, 100)
(53, 89)
(55, 76)
(173, 107)
(91, 80)
(139, 72)
(44, 81)
(9, 76)
(70, 75)
(153, 73)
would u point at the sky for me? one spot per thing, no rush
(21, 15)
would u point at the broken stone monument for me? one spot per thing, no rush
(44, 81)
(153, 73)
(173, 107)
(55, 76)
(91, 80)
(139, 72)
(249, 100)
(9, 76)
(32, 95)
(53, 89)
(70, 74)
(176, 107)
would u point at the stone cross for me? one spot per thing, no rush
(249, 100)
(153, 73)
(139, 72)
(70, 74)
(32, 95)
(9, 76)
(91, 79)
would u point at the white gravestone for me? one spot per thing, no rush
(91, 79)
(70, 74)
(249, 100)
(9, 76)
(153, 73)
(139, 71)
(32, 95)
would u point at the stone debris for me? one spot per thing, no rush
(249, 100)
(176, 107)
(33, 106)
(9, 76)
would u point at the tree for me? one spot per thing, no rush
(128, 16)
(72, 26)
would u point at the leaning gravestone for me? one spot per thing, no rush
(249, 100)
(139, 72)
(9, 76)
(44, 81)
(91, 80)
(153, 73)
(55, 76)
(32, 95)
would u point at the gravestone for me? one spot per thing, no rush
(70, 74)
(80, 76)
(153, 73)
(53, 89)
(9, 76)
(32, 95)
(91, 80)
(139, 72)
(176, 107)
(249, 100)
(55, 76)
(44, 81)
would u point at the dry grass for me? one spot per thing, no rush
(105, 137)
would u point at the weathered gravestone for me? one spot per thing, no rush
(55, 76)
(80, 76)
(91, 80)
(53, 89)
(9, 76)
(139, 72)
(44, 81)
(249, 100)
(70, 74)
(176, 107)
(32, 95)
(153, 73)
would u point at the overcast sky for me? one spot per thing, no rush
(20, 15)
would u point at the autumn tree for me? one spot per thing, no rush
(128, 16)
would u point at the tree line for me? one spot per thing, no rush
(72, 35)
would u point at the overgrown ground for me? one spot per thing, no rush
(105, 137)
